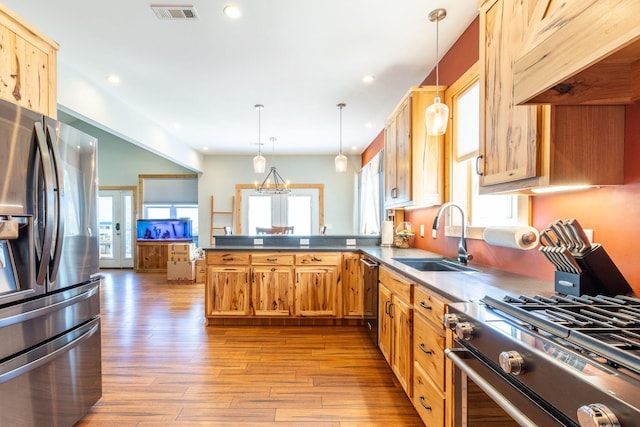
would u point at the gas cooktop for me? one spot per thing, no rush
(607, 327)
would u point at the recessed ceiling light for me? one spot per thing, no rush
(232, 11)
(205, 148)
(113, 79)
(177, 125)
(354, 148)
(368, 78)
(368, 125)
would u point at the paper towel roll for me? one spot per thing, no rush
(518, 237)
(387, 233)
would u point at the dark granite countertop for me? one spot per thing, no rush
(454, 286)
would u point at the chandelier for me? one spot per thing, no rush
(273, 183)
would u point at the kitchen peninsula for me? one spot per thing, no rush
(233, 261)
(273, 280)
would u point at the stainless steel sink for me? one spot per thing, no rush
(434, 264)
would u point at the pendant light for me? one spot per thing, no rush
(437, 114)
(259, 162)
(341, 159)
(273, 183)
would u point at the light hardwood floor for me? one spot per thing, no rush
(163, 367)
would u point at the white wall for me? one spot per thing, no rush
(222, 173)
(119, 161)
(101, 109)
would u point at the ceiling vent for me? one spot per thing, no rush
(180, 12)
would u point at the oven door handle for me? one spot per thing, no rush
(494, 394)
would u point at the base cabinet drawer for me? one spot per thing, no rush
(428, 401)
(428, 350)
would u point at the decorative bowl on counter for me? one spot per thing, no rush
(403, 233)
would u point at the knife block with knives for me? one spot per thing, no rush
(582, 268)
(598, 276)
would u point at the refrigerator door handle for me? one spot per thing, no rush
(58, 188)
(43, 245)
(52, 307)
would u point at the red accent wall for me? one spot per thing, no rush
(374, 148)
(612, 212)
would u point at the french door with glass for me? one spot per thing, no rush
(116, 228)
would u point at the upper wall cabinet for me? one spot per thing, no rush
(523, 148)
(27, 65)
(580, 52)
(413, 161)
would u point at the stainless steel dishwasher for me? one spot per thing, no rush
(370, 277)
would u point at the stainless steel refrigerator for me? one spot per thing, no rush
(50, 351)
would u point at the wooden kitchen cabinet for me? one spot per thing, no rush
(529, 147)
(227, 291)
(431, 371)
(397, 161)
(226, 288)
(316, 284)
(414, 162)
(352, 282)
(268, 285)
(271, 292)
(272, 285)
(395, 325)
(578, 52)
(427, 399)
(28, 69)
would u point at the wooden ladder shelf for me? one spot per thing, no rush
(213, 225)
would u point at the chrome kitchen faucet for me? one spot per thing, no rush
(463, 255)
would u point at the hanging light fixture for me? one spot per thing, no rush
(273, 182)
(437, 114)
(259, 162)
(341, 159)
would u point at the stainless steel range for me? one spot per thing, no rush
(562, 360)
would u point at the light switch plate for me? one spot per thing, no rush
(257, 242)
(304, 242)
(421, 230)
(351, 242)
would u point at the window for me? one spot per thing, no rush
(370, 195)
(303, 208)
(463, 98)
(169, 196)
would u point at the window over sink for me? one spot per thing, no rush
(463, 139)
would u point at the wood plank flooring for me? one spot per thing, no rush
(163, 367)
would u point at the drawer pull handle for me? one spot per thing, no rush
(424, 349)
(423, 402)
(272, 259)
(227, 259)
(425, 306)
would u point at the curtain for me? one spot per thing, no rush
(370, 187)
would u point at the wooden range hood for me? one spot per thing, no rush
(580, 52)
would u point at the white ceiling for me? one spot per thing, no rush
(297, 57)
